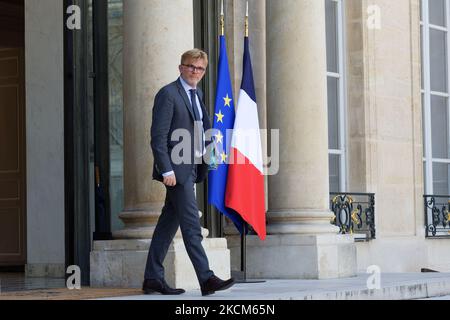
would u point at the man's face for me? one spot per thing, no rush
(192, 71)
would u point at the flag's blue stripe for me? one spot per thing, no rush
(247, 76)
(217, 181)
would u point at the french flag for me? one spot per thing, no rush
(245, 183)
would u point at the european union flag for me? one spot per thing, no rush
(224, 116)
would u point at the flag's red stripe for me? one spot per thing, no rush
(245, 192)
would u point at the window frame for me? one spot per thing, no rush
(342, 102)
(427, 93)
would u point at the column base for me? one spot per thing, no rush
(293, 256)
(121, 263)
(140, 224)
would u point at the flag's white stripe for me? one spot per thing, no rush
(246, 134)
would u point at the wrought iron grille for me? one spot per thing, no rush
(354, 213)
(437, 218)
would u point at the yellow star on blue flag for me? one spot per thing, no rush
(227, 101)
(219, 137)
(224, 157)
(219, 116)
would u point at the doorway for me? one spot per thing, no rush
(12, 135)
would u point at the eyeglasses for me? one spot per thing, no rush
(193, 68)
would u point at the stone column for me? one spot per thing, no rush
(156, 33)
(153, 44)
(301, 241)
(299, 193)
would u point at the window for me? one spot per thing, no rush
(336, 95)
(435, 95)
(115, 49)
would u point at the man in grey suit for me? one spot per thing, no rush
(179, 106)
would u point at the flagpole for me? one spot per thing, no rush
(244, 252)
(244, 225)
(222, 33)
(244, 234)
(246, 21)
(222, 20)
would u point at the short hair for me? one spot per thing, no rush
(194, 54)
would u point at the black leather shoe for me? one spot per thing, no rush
(152, 286)
(214, 284)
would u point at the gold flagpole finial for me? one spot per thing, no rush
(246, 21)
(222, 20)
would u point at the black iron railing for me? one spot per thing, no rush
(437, 217)
(354, 213)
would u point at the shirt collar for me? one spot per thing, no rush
(185, 85)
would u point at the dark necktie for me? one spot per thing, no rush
(199, 127)
(194, 104)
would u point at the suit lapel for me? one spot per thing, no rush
(200, 98)
(185, 98)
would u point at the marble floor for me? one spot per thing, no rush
(392, 286)
(402, 286)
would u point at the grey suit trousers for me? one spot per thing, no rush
(180, 210)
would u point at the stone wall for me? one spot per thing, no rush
(45, 137)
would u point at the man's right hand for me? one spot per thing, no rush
(170, 181)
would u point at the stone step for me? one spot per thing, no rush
(393, 286)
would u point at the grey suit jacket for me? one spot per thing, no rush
(172, 110)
